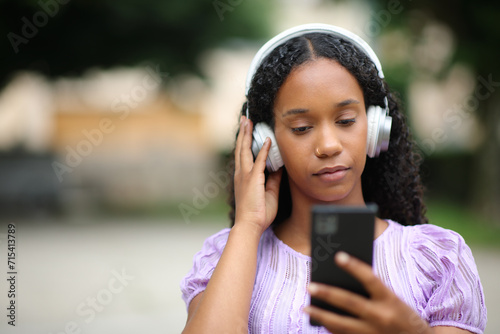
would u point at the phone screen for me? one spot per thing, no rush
(334, 228)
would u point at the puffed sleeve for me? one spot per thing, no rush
(204, 263)
(448, 276)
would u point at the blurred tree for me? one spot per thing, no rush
(476, 28)
(63, 37)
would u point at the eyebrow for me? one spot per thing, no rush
(294, 112)
(303, 111)
(346, 103)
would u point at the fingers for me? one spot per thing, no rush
(243, 152)
(383, 312)
(272, 194)
(347, 300)
(337, 323)
(239, 139)
(344, 299)
(246, 155)
(260, 161)
(363, 273)
(273, 182)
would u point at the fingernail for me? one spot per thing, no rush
(267, 140)
(342, 257)
(306, 309)
(312, 288)
(241, 118)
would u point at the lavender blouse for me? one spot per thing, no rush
(428, 267)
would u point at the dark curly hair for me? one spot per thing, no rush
(391, 180)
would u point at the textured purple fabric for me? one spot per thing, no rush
(428, 267)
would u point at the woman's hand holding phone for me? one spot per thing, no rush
(256, 200)
(383, 312)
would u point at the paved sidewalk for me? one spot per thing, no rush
(488, 265)
(122, 276)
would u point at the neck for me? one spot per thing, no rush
(296, 230)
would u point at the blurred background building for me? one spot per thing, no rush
(168, 81)
(128, 110)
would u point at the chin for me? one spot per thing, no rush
(329, 197)
(344, 192)
(332, 200)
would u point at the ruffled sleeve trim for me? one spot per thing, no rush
(445, 270)
(204, 263)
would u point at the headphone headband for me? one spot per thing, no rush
(305, 29)
(379, 121)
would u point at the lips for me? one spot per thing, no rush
(332, 174)
(328, 170)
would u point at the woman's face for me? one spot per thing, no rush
(321, 129)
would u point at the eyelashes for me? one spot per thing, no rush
(304, 129)
(300, 130)
(347, 122)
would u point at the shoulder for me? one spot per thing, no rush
(443, 274)
(432, 247)
(426, 237)
(216, 242)
(430, 242)
(427, 249)
(204, 263)
(205, 260)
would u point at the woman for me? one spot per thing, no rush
(317, 87)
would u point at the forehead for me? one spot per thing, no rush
(318, 79)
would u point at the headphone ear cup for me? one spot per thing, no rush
(372, 134)
(260, 132)
(379, 131)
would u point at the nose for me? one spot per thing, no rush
(328, 143)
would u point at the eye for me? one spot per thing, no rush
(300, 130)
(347, 122)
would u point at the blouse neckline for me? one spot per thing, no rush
(292, 251)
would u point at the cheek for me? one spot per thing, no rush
(295, 154)
(362, 143)
(362, 134)
(362, 146)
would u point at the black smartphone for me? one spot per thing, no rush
(335, 228)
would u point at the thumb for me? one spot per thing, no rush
(273, 183)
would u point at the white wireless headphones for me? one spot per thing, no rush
(379, 121)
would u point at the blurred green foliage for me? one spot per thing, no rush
(475, 26)
(67, 37)
(474, 23)
(475, 229)
(63, 37)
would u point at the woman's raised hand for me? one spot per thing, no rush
(256, 200)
